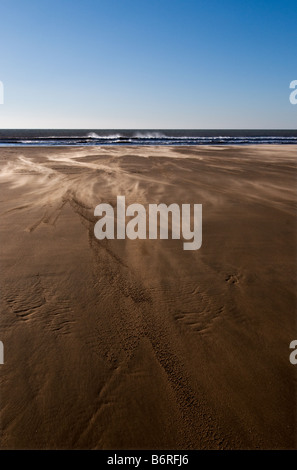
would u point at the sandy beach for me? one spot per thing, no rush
(138, 344)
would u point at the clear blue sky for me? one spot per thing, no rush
(148, 63)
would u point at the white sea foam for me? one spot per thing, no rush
(93, 135)
(150, 135)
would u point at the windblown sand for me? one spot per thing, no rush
(121, 344)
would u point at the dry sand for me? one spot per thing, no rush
(126, 344)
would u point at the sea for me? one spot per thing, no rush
(140, 137)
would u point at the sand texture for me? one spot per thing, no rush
(122, 344)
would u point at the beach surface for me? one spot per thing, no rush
(139, 344)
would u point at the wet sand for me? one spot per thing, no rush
(121, 344)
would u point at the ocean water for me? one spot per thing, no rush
(82, 137)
